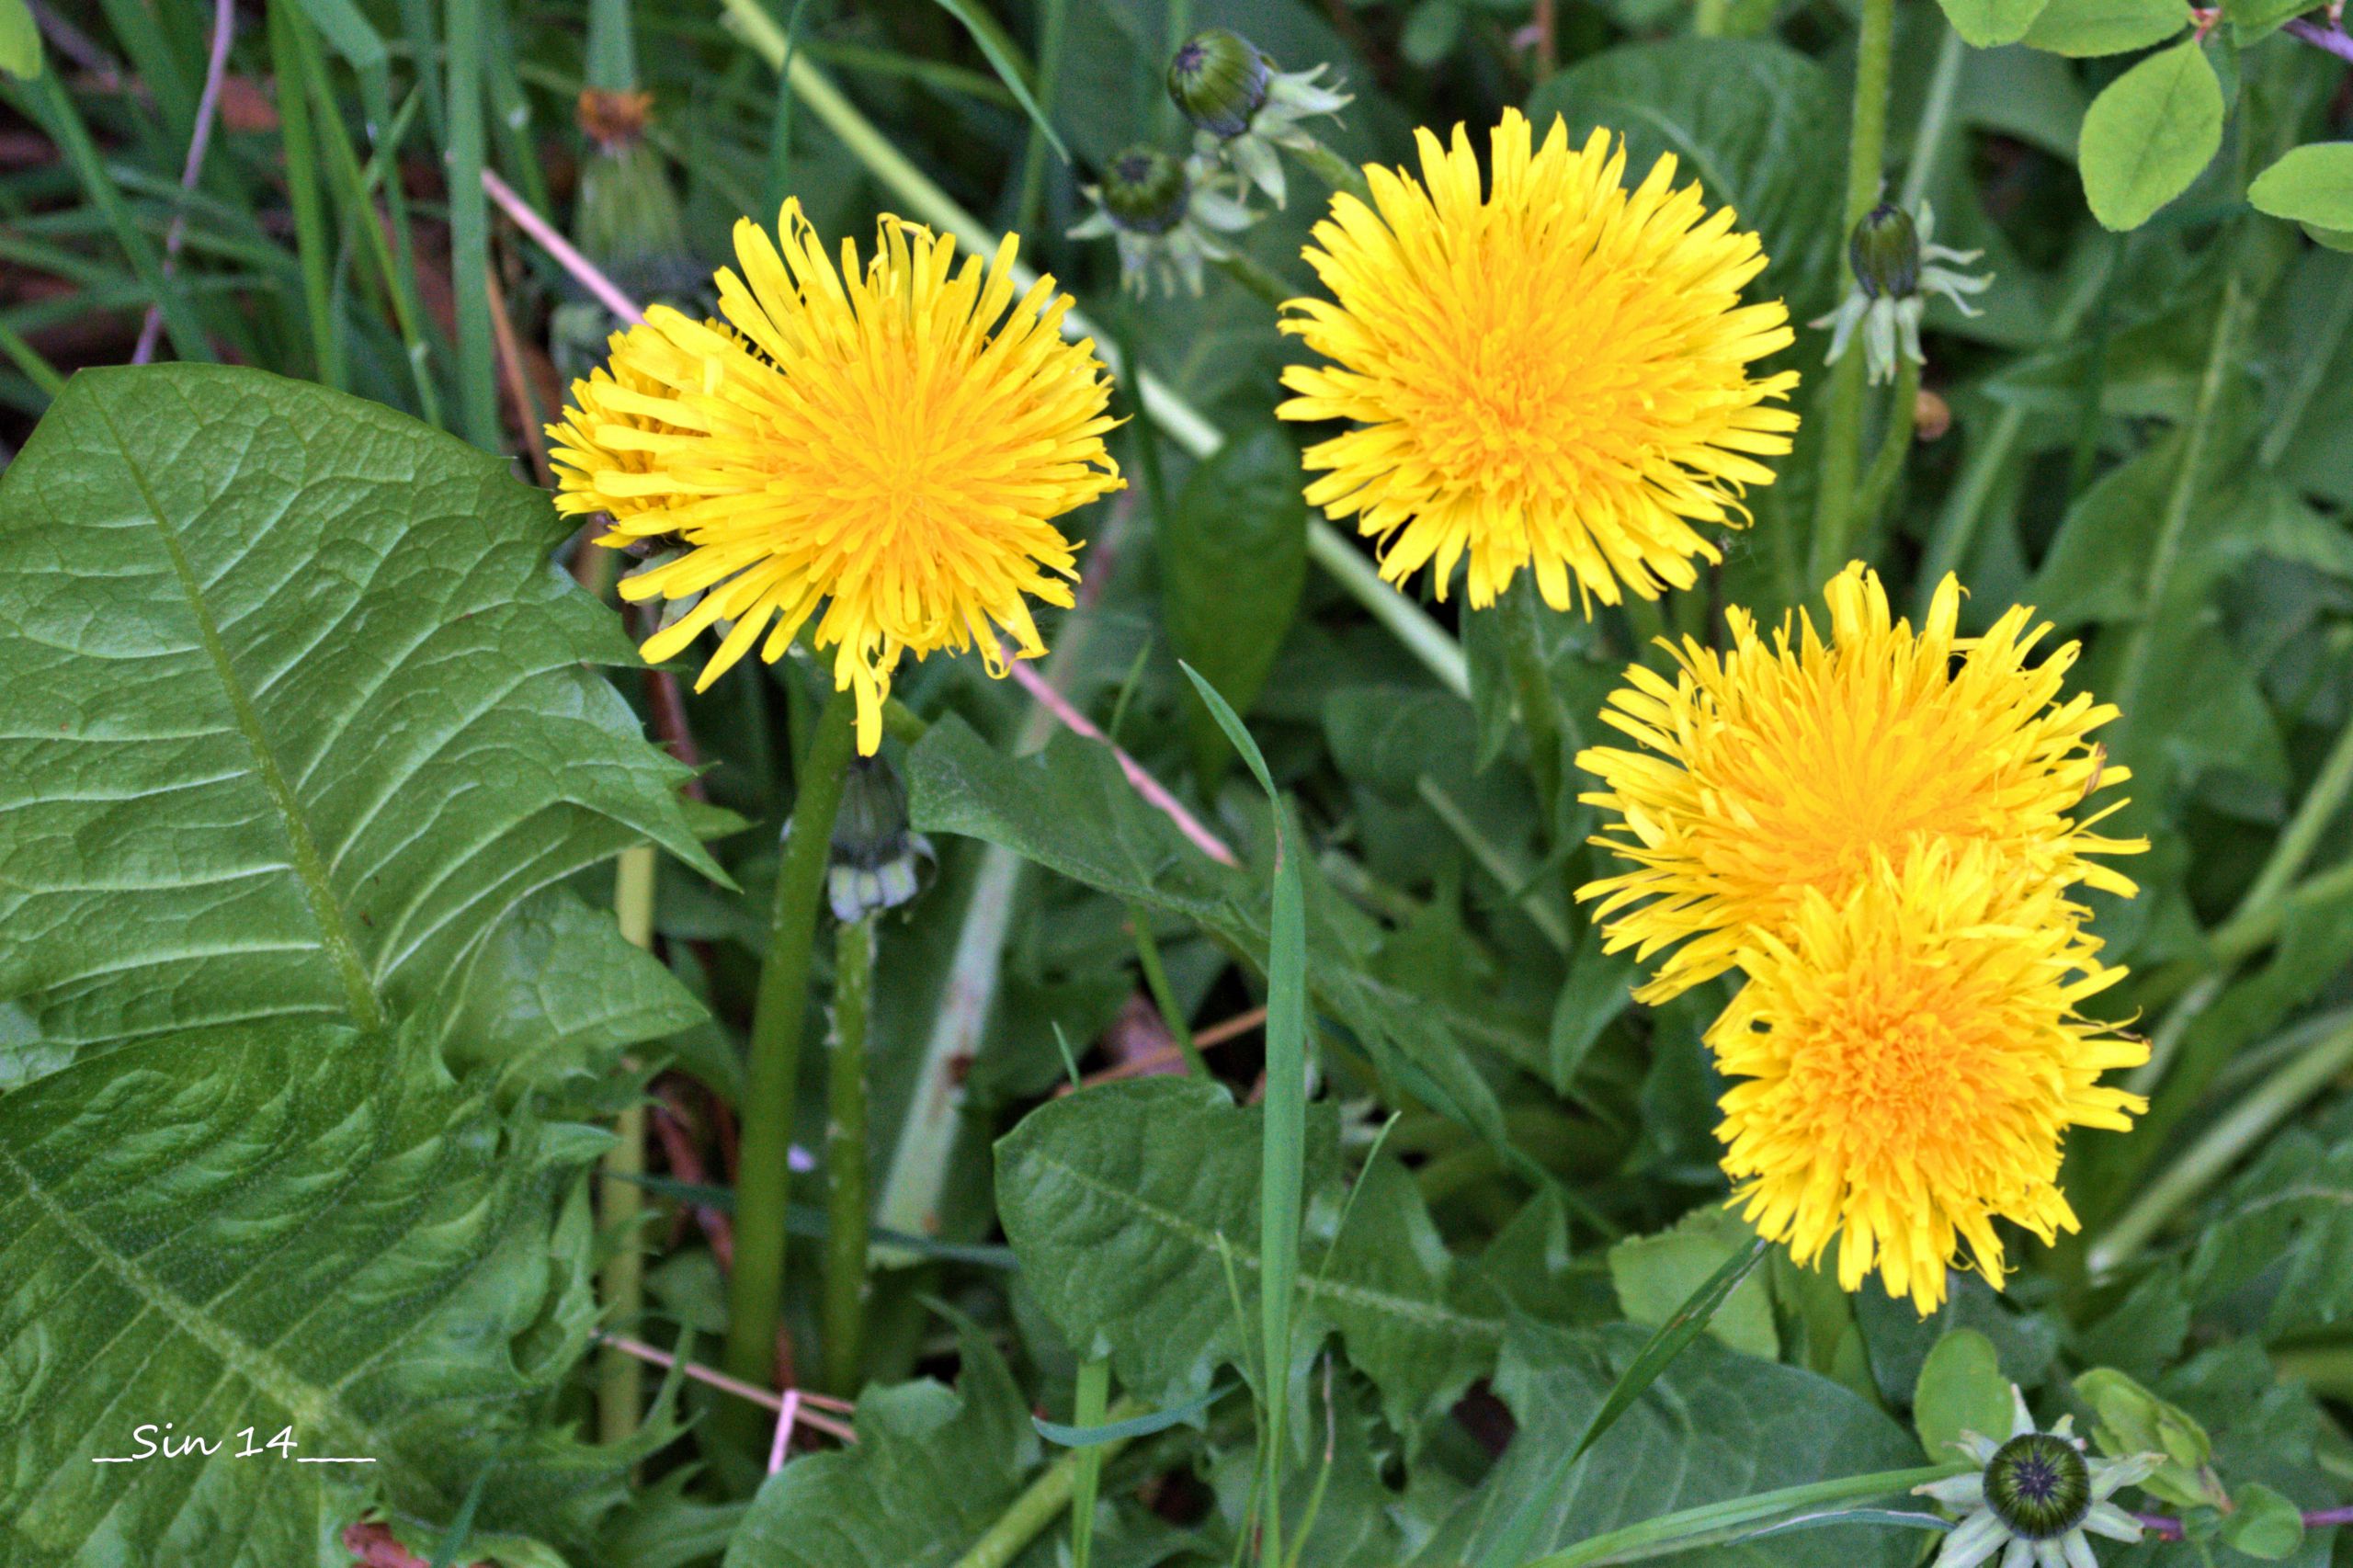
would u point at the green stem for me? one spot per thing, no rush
(2133, 667)
(1936, 118)
(1646, 625)
(2302, 835)
(1518, 881)
(1087, 1405)
(1259, 278)
(1046, 1499)
(470, 229)
(1895, 446)
(1186, 425)
(1719, 1521)
(1834, 509)
(1155, 979)
(846, 1180)
(2186, 1178)
(1333, 169)
(306, 197)
(755, 1288)
(1052, 16)
(29, 359)
(621, 1197)
(1532, 685)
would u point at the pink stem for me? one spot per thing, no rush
(1054, 703)
(2330, 39)
(789, 1408)
(216, 73)
(740, 1388)
(581, 269)
(2165, 1527)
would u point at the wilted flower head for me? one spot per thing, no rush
(873, 862)
(1897, 266)
(1772, 769)
(1242, 108)
(1907, 1061)
(1554, 376)
(1166, 217)
(2033, 1497)
(881, 448)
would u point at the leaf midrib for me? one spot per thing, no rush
(309, 868)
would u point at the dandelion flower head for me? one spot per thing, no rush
(1909, 1062)
(883, 448)
(1552, 375)
(1770, 770)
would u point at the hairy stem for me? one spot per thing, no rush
(1047, 1496)
(621, 1199)
(846, 1171)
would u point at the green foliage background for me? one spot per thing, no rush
(314, 1022)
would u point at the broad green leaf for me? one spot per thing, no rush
(301, 711)
(2262, 1523)
(932, 1468)
(1233, 561)
(2149, 134)
(2253, 20)
(1125, 1203)
(2311, 185)
(1988, 24)
(1960, 1390)
(1747, 117)
(2284, 1230)
(1656, 1275)
(284, 1224)
(2086, 28)
(1714, 1426)
(19, 39)
(1070, 810)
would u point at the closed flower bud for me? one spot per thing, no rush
(1146, 191)
(2038, 1485)
(1220, 79)
(875, 862)
(1885, 251)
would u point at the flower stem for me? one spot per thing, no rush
(1834, 510)
(620, 1198)
(1887, 463)
(755, 1288)
(1332, 169)
(1092, 1393)
(1047, 1496)
(846, 1179)
(1259, 278)
(2186, 1178)
(1719, 1522)
(1532, 685)
(1155, 979)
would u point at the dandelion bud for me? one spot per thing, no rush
(1146, 191)
(2038, 1485)
(1885, 251)
(875, 863)
(1220, 79)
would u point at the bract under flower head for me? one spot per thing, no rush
(889, 442)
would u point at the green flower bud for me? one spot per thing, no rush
(1885, 251)
(874, 862)
(2038, 1485)
(1146, 191)
(1220, 79)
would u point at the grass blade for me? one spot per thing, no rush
(1091, 1433)
(1003, 61)
(1092, 1393)
(1673, 1336)
(1283, 1164)
(470, 232)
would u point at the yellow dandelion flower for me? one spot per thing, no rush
(1768, 771)
(1910, 1060)
(891, 442)
(1554, 377)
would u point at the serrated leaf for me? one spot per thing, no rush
(1125, 1203)
(1960, 1390)
(1716, 1426)
(1989, 24)
(1234, 560)
(2285, 1228)
(2149, 133)
(1747, 117)
(2081, 29)
(932, 1468)
(299, 710)
(285, 1224)
(2311, 185)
